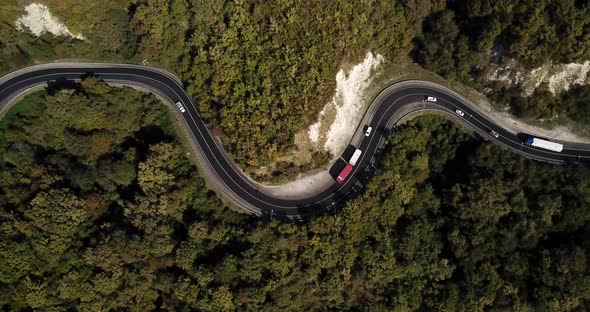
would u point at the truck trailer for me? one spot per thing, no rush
(544, 144)
(355, 157)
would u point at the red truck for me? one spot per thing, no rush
(344, 173)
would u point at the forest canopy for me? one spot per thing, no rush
(100, 208)
(120, 219)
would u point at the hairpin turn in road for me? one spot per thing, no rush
(393, 104)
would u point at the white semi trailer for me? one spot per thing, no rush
(544, 144)
(355, 157)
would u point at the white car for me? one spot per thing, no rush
(368, 131)
(460, 112)
(494, 134)
(430, 99)
(180, 107)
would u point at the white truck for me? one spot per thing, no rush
(544, 144)
(355, 157)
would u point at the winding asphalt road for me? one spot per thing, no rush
(390, 106)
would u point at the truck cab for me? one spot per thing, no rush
(343, 174)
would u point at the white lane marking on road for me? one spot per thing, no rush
(181, 87)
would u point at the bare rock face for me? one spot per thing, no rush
(558, 77)
(39, 21)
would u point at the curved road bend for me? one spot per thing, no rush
(389, 107)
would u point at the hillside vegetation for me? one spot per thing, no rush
(460, 41)
(100, 209)
(260, 72)
(107, 213)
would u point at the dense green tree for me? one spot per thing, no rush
(437, 46)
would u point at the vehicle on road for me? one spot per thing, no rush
(544, 144)
(343, 174)
(180, 107)
(357, 187)
(355, 157)
(369, 172)
(460, 112)
(430, 99)
(368, 131)
(494, 134)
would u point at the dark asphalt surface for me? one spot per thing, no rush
(330, 199)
